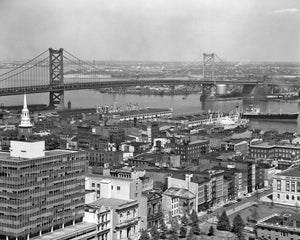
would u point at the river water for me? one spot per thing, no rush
(179, 103)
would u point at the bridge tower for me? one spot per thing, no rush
(56, 98)
(208, 74)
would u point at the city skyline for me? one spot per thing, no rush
(152, 31)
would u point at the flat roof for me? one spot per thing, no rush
(67, 231)
(263, 144)
(284, 219)
(114, 203)
(179, 192)
(106, 178)
(57, 152)
(294, 172)
(143, 111)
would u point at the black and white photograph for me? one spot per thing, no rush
(149, 119)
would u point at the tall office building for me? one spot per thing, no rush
(40, 191)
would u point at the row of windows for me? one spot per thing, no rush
(288, 197)
(289, 186)
(112, 187)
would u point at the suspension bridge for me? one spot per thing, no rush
(56, 71)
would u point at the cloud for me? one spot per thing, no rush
(286, 11)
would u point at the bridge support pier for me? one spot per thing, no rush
(56, 98)
(207, 90)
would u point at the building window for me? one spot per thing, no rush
(298, 186)
(287, 186)
(118, 188)
(287, 196)
(298, 198)
(293, 186)
(278, 195)
(279, 185)
(293, 198)
(93, 184)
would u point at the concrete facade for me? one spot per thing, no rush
(286, 187)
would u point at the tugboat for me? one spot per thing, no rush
(255, 113)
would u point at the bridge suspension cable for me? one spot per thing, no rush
(31, 73)
(86, 72)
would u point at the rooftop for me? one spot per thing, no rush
(293, 172)
(263, 144)
(106, 178)
(114, 203)
(283, 220)
(5, 156)
(67, 231)
(144, 111)
(179, 192)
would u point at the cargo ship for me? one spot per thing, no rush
(255, 113)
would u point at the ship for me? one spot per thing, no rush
(255, 113)
(230, 122)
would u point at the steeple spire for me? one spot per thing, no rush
(25, 119)
(25, 102)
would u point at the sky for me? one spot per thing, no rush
(152, 30)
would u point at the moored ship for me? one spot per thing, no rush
(255, 113)
(229, 122)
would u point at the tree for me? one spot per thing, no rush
(191, 235)
(240, 235)
(144, 235)
(163, 229)
(297, 206)
(183, 231)
(154, 233)
(184, 220)
(237, 224)
(196, 229)
(173, 236)
(223, 222)
(194, 218)
(211, 231)
(175, 225)
(254, 214)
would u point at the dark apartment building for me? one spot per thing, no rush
(191, 150)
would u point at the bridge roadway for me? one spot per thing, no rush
(113, 83)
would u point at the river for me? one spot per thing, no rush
(180, 105)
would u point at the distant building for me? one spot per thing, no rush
(152, 131)
(284, 226)
(248, 166)
(156, 159)
(117, 219)
(123, 185)
(154, 208)
(275, 151)
(98, 158)
(191, 150)
(236, 145)
(176, 202)
(208, 187)
(286, 187)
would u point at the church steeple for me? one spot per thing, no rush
(25, 126)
